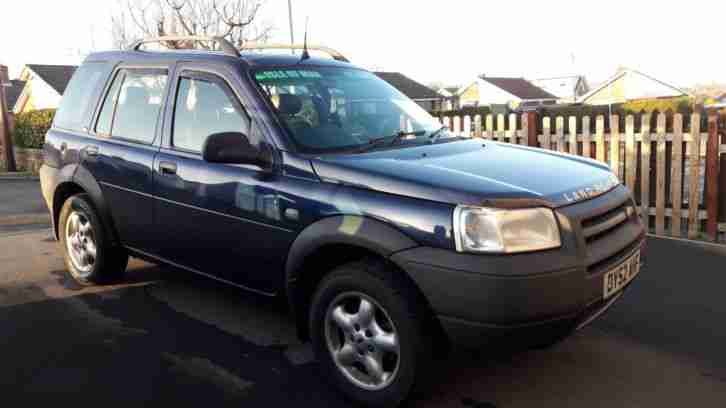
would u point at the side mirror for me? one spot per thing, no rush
(234, 148)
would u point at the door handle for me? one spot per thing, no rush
(166, 167)
(91, 151)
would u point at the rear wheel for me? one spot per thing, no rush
(368, 332)
(89, 256)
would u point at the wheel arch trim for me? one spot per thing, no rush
(363, 232)
(78, 176)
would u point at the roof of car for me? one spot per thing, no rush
(253, 59)
(262, 59)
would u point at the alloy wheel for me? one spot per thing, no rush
(80, 244)
(362, 340)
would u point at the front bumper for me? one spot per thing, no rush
(474, 335)
(476, 308)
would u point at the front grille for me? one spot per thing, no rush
(599, 225)
(607, 227)
(609, 235)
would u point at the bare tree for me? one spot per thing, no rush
(238, 21)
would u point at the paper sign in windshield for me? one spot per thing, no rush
(286, 74)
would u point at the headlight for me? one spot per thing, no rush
(492, 230)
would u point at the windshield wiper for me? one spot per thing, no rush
(395, 138)
(436, 134)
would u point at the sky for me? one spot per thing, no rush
(435, 41)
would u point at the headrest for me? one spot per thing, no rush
(289, 104)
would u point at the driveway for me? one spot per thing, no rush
(21, 205)
(163, 337)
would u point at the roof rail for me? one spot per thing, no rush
(264, 46)
(229, 49)
(224, 45)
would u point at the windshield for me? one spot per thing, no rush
(338, 109)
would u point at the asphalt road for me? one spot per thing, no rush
(165, 337)
(21, 196)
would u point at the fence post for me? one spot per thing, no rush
(5, 139)
(694, 161)
(531, 121)
(711, 183)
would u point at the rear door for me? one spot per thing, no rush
(218, 219)
(121, 155)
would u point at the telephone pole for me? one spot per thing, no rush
(5, 137)
(289, 15)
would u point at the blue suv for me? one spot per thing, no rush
(313, 180)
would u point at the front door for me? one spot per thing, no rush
(218, 219)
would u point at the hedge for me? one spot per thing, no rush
(683, 104)
(31, 127)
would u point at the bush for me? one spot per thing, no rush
(31, 127)
(683, 104)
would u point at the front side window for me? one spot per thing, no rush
(204, 106)
(132, 105)
(336, 109)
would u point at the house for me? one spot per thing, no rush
(627, 85)
(716, 103)
(450, 98)
(566, 88)
(43, 86)
(514, 92)
(426, 97)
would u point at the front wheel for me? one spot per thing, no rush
(368, 332)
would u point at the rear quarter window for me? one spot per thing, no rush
(81, 95)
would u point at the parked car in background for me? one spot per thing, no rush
(313, 180)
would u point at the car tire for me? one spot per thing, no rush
(88, 252)
(364, 343)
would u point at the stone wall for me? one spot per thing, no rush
(25, 160)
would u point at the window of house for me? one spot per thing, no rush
(205, 105)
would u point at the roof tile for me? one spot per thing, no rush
(57, 76)
(520, 87)
(408, 86)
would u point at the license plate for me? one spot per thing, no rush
(621, 275)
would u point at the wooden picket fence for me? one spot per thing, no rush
(672, 169)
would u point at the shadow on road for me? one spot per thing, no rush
(124, 345)
(164, 336)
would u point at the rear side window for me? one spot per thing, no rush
(103, 126)
(81, 95)
(205, 105)
(132, 105)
